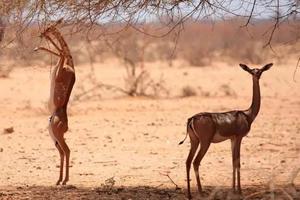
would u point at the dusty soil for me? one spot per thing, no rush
(127, 148)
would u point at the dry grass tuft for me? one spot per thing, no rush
(188, 91)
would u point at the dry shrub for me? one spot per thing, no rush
(226, 90)
(200, 43)
(144, 85)
(131, 51)
(137, 80)
(203, 42)
(188, 91)
(5, 71)
(195, 45)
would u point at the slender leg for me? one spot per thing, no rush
(61, 153)
(58, 128)
(293, 176)
(233, 145)
(203, 149)
(194, 146)
(54, 132)
(238, 163)
(66, 151)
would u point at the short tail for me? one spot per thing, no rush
(187, 127)
(183, 139)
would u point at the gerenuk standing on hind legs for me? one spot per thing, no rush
(206, 128)
(62, 81)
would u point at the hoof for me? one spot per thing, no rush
(235, 195)
(239, 192)
(58, 182)
(64, 182)
(189, 196)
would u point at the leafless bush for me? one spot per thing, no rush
(5, 71)
(130, 50)
(83, 16)
(143, 87)
(188, 91)
(196, 45)
(199, 44)
(138, 81)
(86, 17)
(226, 90)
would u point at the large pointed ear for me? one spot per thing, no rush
(267, 67)
(245, 67)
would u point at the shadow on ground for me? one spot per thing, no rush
(145, 192)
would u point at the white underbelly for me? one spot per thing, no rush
(51, 106)
(219, 138)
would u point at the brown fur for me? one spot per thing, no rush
(62, 81)
(206, 128)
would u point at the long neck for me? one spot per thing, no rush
(64, 46)
(255, 105)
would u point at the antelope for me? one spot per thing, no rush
(206, 128)
(62, 81)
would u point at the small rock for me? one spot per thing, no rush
(8, 130)
(151, 124)
(108, 137)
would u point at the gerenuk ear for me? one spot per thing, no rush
(267, 67)
(245, 67)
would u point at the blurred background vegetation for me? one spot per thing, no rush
(196, 31)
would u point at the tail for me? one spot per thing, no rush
(183, 139)
(187, 127)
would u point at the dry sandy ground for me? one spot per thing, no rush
(127, 148)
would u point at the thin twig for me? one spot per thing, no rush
(167, 175)
(294, 75)
(158, 186)
(286, 194)
(251, 13)
(255, 193)
(275, 26)
(47, 50)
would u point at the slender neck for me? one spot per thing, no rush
(255, 105)
(64, 46)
